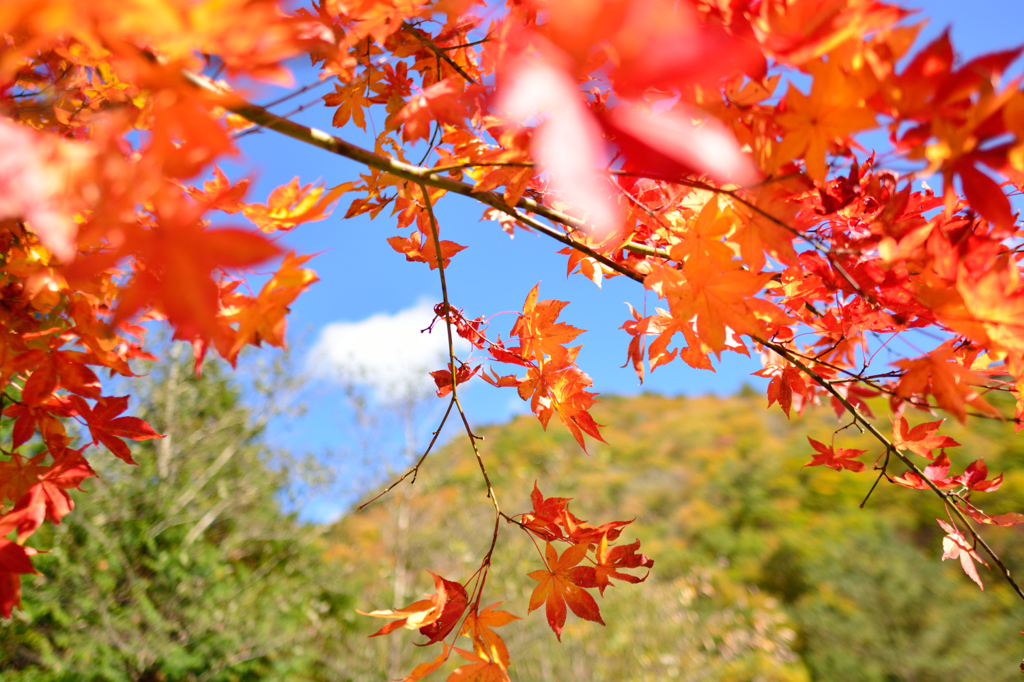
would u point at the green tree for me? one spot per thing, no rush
(186, 567)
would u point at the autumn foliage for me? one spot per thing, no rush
(713, 151)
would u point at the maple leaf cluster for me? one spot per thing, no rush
(100, 230)
(561, 586)
(653, 139)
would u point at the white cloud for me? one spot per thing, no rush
(387, 353)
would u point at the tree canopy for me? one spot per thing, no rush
(186, 568)
(761, 166)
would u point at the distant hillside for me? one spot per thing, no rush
(764, 570)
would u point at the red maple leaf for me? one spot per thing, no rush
(611, 562)
(548, 515)
(434, 617)
(443, 378)
(14, 562)
(934, 472)
(974, 477)
(455, 602)
(843, 458)
(174, 266)
(443, 102)
(108, 428)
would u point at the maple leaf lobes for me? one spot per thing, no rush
(558, 585)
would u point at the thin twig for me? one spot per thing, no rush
(438, 52)
(294, 93)
(881, 475)
(414, 471)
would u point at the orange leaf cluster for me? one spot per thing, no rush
(564, 581)
(553, 383)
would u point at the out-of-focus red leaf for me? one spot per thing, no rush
(672, 145)
(835, 458)
(568, 144)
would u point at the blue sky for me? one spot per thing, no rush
(369, 294)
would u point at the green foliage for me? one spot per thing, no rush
(185, 567)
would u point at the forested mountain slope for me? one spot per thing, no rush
(763, 569)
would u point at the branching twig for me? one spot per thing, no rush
(416, 174)
(438, 52)
(473, 438)
(414, 471)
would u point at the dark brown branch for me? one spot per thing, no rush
(438, 52)
(891, 449)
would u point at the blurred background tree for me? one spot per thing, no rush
(186, 567)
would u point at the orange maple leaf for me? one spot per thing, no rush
(264, 317)
(480, 669)
(552, 389)
(559, 585)
(290, 205)
(424, 669)
(419, 248)
(833, 111)
(219, 193)
(702, 236)
(721, 300)
(941, 374)
(798, 31)
(350, 99)
(540, 335)
(921, 439)
(479, 628)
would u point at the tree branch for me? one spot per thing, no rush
(438, 52)
(890, 448)
(416, 174)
